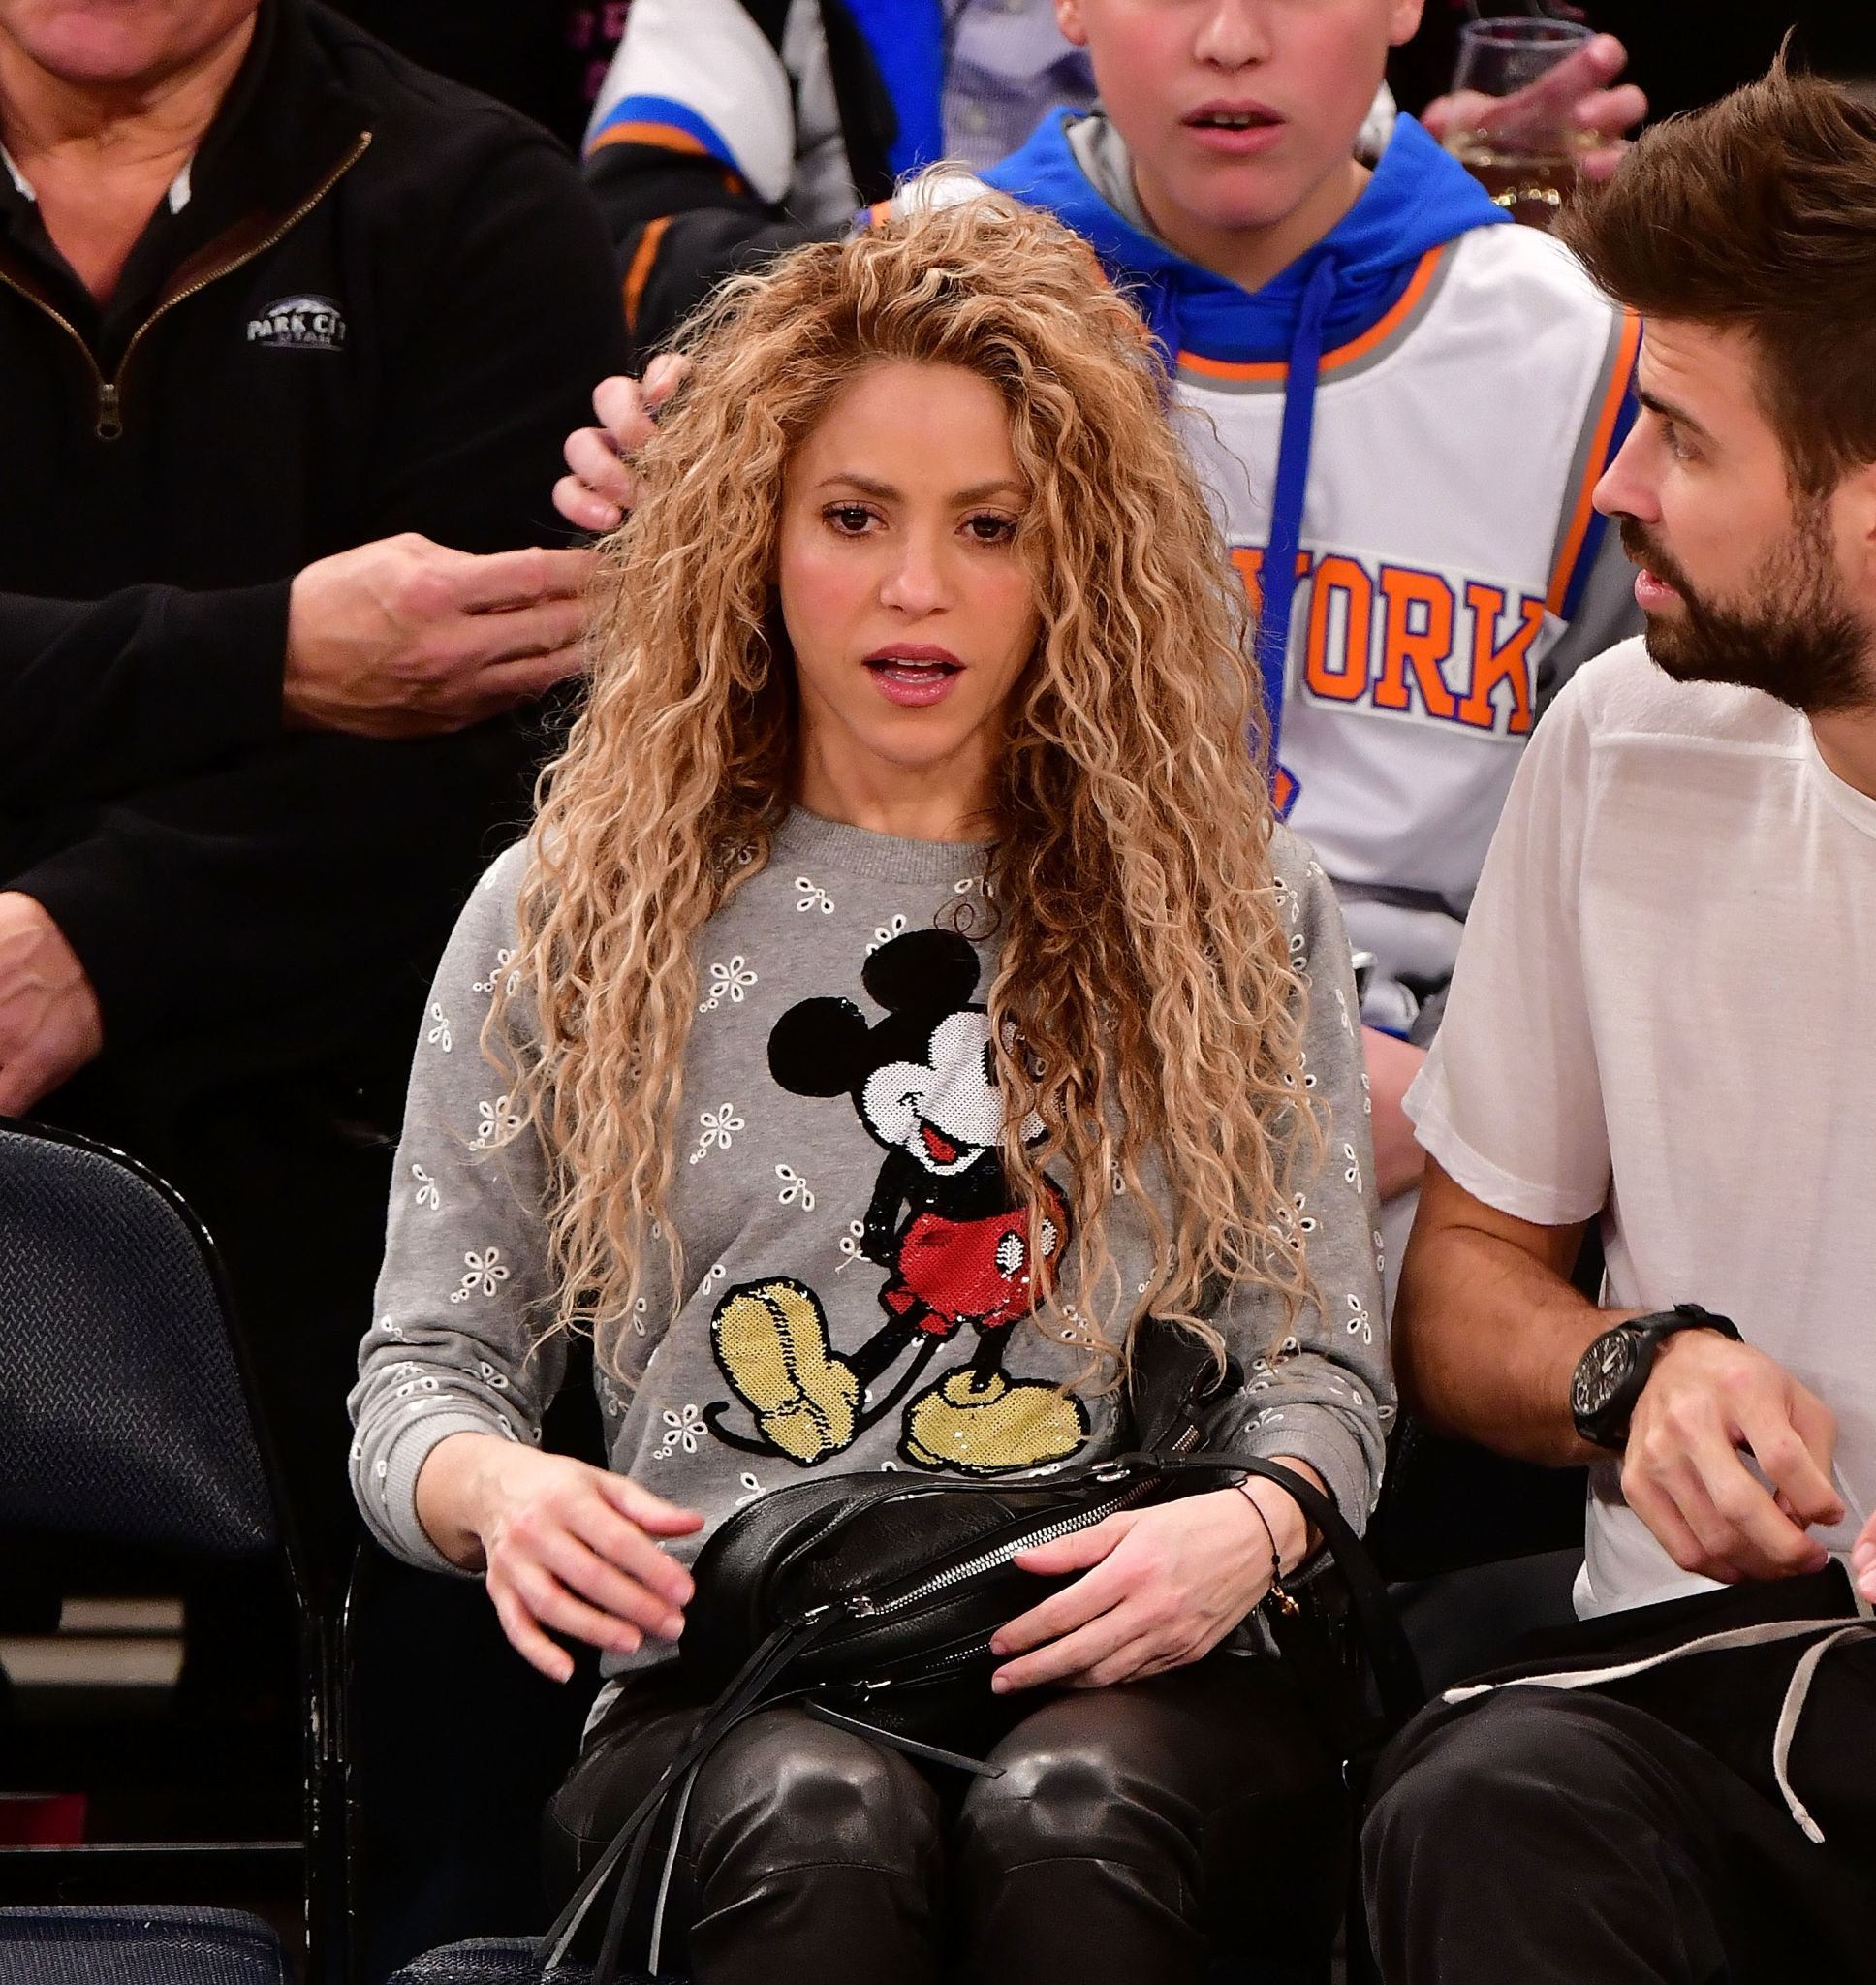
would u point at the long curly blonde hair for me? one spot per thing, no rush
(1144, 1002)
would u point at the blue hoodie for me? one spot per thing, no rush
(1420, 198)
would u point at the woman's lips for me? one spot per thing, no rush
(915, 675)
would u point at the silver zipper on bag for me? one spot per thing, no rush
(861, 1607)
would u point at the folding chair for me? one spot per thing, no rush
(127, 1418)
(149, 1944)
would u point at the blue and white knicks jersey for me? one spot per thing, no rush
(1445, 531)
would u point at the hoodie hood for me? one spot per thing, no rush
(1418, 198)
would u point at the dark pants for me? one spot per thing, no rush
(1636, 1834)
(1133, 1830)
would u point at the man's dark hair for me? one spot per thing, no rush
(1759, 213)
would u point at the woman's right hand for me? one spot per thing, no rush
(564, 1545)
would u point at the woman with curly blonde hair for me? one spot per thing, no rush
(905, 990)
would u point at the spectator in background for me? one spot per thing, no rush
(268, 295)
(730, 129)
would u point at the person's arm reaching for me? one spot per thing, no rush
(1584, 82)
(397, 638)
(98, 697)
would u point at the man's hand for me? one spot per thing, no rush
(564, 1545)
(406, 638)
(49, 1027)
(1862, 1560)
(601, 488)
(1574, 93)
(1706, 1399)
(1391, 1064)
(1164, 1587)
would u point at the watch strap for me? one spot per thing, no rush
(1609, 1428)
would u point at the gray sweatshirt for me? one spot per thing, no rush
(856, 1274)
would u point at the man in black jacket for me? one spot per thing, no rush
(268, 293)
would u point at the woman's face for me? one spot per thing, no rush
(910, 611)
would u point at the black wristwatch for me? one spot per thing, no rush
(1610, 1376)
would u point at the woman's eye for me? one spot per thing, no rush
(990, 529)
(848, 518)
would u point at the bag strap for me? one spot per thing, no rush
(1397, 1672)
(743, 1694)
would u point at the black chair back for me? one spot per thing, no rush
(122, 1409)
(128, 1415)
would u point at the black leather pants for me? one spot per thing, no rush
(1134, 1832)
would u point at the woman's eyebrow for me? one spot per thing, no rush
(867, 486)
(885, 493)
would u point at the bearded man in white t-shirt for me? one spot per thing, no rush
(1664, 1017)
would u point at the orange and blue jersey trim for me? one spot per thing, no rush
(1391, 321)
(664, 122)
(1581, 536)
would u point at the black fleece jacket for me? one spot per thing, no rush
(383, 304)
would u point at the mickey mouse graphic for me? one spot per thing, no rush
(956, 1244)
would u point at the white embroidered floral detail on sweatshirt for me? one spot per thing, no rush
(427, 1192)
(795, 1188)
(502, 958)
(813, 896)
(720, 1126)
(439, 1033)
(494, 1122)
(682, 1430)
(850, 1243)
(729, 982)
(895, 926)
(485, 1273)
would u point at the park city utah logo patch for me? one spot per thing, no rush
(299, 323)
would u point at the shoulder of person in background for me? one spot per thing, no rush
(727, 130)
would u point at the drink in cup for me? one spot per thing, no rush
(1514, 126)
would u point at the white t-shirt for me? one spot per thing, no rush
(1663, 1004)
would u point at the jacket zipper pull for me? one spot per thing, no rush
(110, 418)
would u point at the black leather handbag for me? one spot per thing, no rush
(871, 1599)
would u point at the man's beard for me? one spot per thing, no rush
(1796, 636)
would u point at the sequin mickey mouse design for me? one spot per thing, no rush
(956, 1244)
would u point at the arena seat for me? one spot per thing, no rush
(494, 1960)
(126, 1420)
(138, 1944)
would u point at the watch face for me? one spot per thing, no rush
(1601, 1372)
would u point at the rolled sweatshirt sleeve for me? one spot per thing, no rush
(459, 1339)
(1318, 1385)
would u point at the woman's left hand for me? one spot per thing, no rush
(1163, 1586)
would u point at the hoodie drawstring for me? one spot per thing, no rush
(1279, 579)
(1797, 1692)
